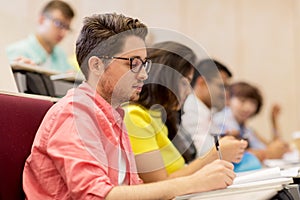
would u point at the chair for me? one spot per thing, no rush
(20, 118)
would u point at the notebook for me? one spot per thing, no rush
(257, 184)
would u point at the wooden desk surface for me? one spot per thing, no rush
(68, 76)
(54, 75)
(17, 66)
(35, 96)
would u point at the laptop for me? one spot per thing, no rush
(7, 80)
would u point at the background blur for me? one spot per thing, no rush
(259, 40)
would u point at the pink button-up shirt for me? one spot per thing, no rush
(75, 153)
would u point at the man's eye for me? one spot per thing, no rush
(136, 63)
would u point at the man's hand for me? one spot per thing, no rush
(24, 60)
(216, 175)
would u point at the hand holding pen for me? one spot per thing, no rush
(232, 148)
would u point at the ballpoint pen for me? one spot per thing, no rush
(216, 137)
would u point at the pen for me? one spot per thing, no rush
(216, 137)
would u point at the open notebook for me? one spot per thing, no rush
(256, 175)
(265, 174)
(257, 184)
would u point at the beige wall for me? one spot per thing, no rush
(258, 39)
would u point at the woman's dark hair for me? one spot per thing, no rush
(245, 90)
(170, 62)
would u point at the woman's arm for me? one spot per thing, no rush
(152, 166)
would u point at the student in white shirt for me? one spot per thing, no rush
(209, 83)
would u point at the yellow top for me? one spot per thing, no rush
(147, 133)
(73, 61)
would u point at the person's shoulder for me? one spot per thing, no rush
(58, 51)
(137, 121)
(194, 104)
(190, 97)
(60, 59)
(224, 116)
(21, 42)
(190, 101)
(138, 113)
(22, 45)
(134, 108)
(222, 112)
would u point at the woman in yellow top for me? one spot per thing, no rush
(154, 116)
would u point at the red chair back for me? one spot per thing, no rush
(20, 118)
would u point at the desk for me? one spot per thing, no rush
(61, 81)
(289, 159)
(261, 193)
(16, 66)
(75, 77)
(254, 185)
(65, 81)
(54, 75)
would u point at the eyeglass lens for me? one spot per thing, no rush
(137, 64)
(58, 23)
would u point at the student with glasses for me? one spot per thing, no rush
(136, 63)
(81, 149)
(42, 47)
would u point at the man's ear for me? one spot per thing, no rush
(96, 65)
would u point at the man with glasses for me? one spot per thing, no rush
(82, 150)
(41, 48)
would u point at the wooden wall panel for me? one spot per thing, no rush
(258, 40)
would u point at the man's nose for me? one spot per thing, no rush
(142, 75)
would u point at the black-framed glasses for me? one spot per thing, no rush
(135, 63)
(58, 23)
